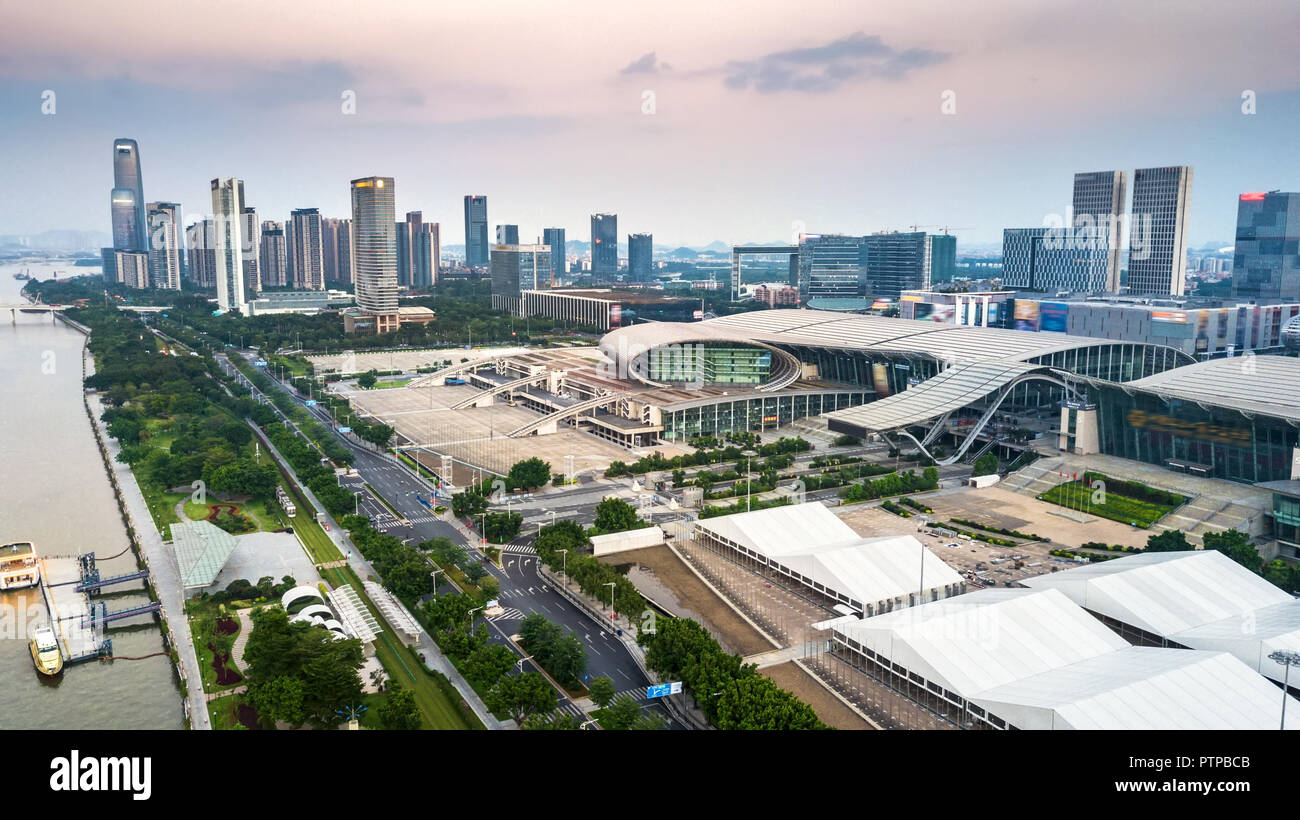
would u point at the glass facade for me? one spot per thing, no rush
(1221, 442)
(754, 412)
(710, 364)
(1286, 523)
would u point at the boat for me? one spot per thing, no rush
(46, 654)
(18, 566)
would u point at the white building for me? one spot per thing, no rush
(227, 214)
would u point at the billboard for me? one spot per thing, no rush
(1026, 315)
(615, 315)
(928, 312)
(1053, 316)
(880, 379)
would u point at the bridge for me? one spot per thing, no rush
(32, 307)
(473, 400)
(99, 614)
(572, 410)
(446, 372)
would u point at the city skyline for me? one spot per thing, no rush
(875, 81)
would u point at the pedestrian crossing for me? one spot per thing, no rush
(510, 614)
(567, 708)
(515, 548)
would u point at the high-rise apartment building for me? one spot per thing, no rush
(306, 249)
(201, 253)
(515, 269)
(604, 245)
(374, 251)
(1266, 259)
(1098, 208)
(640, 257)
(1157, 252)
(408, 247)
(427, 250)
(507, 235)
(554, 239)
(250, 232)
(227, 212)
(334, 249)
(272, 255)
(132, 268)
(476, 232)
(165, 236)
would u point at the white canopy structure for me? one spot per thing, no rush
(1032, 659)
(393, 611)
(808, 543)
(1199, 599)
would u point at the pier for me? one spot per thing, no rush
(69, 586)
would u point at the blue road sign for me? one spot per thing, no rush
(310, 402)
(345, 429)
(659, 691)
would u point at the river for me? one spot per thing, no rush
(54, 492)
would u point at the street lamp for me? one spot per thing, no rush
(748, 482)
(519, 664)
(611, 596)
(1288, 658)
(433, 576)
(470, 614)
(356, 506)
(564, 562)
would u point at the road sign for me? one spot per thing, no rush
(345, 429)
(663, 690)
(310, 402)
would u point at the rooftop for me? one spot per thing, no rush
(1265, 385)
(202, 549)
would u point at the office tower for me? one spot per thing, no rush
(1098, 213)
(308, 264)
(227, 212)
(640, 257)
(201, 254)
(164, 244)
(507, 234)
(403, 240)
(476, 231)
(427, 252)
(895, 262)
(1157, 246)
(129, 221)
(554, 239)
(515, 269)
(604, 245)
(272, 255)
(830, 265)
(943, 258)
(132, 268)
(1031, 262)
(250, 231)
(374, 250)
(1266, 261)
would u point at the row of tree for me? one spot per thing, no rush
(893, 484)
(404, 569)
(591, 575)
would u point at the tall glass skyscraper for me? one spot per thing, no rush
(1098, 209)
(507, 235)
(604, 245)
(476, 231)
(1266, 263)
(640, 257)
(1157, 246)
(129, 221)
(374, 250)
(227, 214)
(554, 239)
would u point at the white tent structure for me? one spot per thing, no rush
(810, 545)
(1197, 599)
(1032, 659)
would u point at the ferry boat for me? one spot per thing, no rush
(45, 652)
(18, 567)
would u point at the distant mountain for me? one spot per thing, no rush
(58, 241)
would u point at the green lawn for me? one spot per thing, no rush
(162, 506)
(1117, 507)
(200, 628)
(398, 383)
(437, 710)
(222, 712)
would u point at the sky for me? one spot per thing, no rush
(694, 121)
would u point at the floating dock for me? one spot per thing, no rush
(68, 586)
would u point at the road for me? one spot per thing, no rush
(521, 589)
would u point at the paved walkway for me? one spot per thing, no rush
(241, 640)
(238, 690)
(164, 572)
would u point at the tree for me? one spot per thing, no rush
(616, 515)
(1236, 545)
(986, 464)
(281, 699)
(602, 691)
(367, 380)
(521, 695)
(1168, 541)
(530, 473)
(621, 713)
(399, 711)
(501, 527)
(485, 666)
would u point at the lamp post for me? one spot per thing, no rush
(433, 576)
(356, 506)
(564, 564)
(611, 597)
(748, 482)
(1288, 659)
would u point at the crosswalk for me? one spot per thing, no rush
(510, 614)
(518, 548)
(567, 708)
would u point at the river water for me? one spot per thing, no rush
(54, 492)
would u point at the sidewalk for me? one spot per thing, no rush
(164, 574)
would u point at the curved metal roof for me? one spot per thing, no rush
(1267, 385)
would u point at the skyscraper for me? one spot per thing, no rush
(1030, 262)
(1098, 211)
(132, 268)
(507, 234)
(227, 213)
(308, 264)
(336, 265)
(201, 254)
(640, 257)
(290, 276)
(165, 235)
(830, 265)
(554, 239)
(427, 252)
(374, 250)
(1157, 247)
(604, 245)
(1266, 262)
(408, 248)
(515, 269)
(895, 262)
(127, 177)
(344, 250)
(272, 255)
(250, 232)
(476, 231)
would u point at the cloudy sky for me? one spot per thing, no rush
(692, 120)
